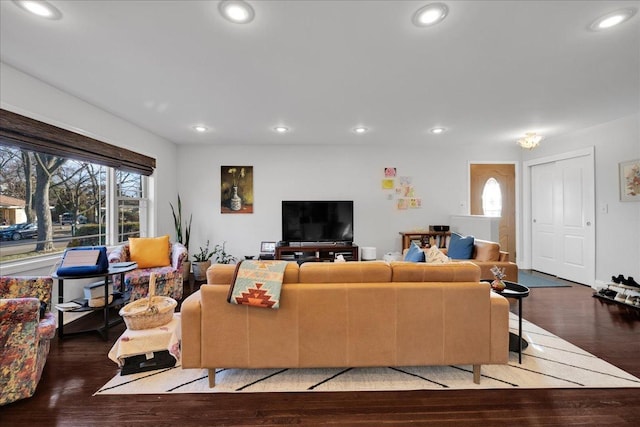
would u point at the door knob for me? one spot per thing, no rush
(534, 220)
(588, 223)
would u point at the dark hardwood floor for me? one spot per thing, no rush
(78, 366)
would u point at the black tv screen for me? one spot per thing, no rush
(317, 221)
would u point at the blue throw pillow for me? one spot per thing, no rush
(460, 247)
(414, 254)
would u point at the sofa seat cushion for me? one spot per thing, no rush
(141, 276)
(345, 272)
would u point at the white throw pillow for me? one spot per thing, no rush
(433, 255)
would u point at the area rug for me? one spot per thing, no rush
(548, 362)
(530, 281)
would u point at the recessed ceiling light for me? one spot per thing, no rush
(612, 19)
(437, 131)
(360, 129)
(281, 129)
(430, 14)
(200, 128)
(40, 8)
(236, 11)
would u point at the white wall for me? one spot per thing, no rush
(339, 172)
(618, 229)
(33, 98)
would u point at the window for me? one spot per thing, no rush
(77, 202)
(492, 198)
(131, 204)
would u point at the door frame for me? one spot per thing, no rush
(526, 242)
(518, 219)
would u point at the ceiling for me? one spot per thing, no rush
(491, 71)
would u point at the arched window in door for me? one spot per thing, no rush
(492, 198)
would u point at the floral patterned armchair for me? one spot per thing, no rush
(25, 335)
(168, 279)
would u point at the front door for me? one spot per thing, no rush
(504, 174)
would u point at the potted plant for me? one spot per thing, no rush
(222, 257)
(182, 235)
(202, 261)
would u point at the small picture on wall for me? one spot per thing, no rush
(630, 181)
(390, 172)
(388, 184)
(236, 189)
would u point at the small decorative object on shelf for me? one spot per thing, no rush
(498, 283)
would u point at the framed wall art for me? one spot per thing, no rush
(630, 181)
(236, 189)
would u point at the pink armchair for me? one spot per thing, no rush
(168, 279)
(25, 336)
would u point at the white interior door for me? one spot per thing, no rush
(543, 232)
(563, 233)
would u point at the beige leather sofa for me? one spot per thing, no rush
(352, 314)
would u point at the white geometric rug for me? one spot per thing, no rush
(548, 362)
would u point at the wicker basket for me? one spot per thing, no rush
(141, 314)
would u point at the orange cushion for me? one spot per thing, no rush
(150, 252)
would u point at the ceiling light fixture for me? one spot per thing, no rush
(530, 141)
(612, 19)
(360, 129)
(430, 14)
(236, 11)
(281, 129)
(40, 8)
(437, 131)
(200, 128)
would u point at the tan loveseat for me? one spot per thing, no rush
(352, 314)
(486, 254)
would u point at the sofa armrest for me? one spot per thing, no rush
(178, 255)
(504, 256)
(19, 311)
(191, 324)
(118, 254)
(499, 328)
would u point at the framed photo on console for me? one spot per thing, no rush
(630, 181)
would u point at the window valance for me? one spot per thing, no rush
(24, 132)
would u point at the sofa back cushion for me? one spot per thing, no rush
(425, 272)
(486, 251)
(345, 272)
(222, 274)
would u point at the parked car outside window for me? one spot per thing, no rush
(19, 231)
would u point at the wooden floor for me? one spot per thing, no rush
(78, 366)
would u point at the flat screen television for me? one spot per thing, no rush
(317, 221)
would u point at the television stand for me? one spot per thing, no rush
(316, 253)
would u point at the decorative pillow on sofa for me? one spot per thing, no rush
(149, 252)
(435, 256)
(414, 254)
(461, 247)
